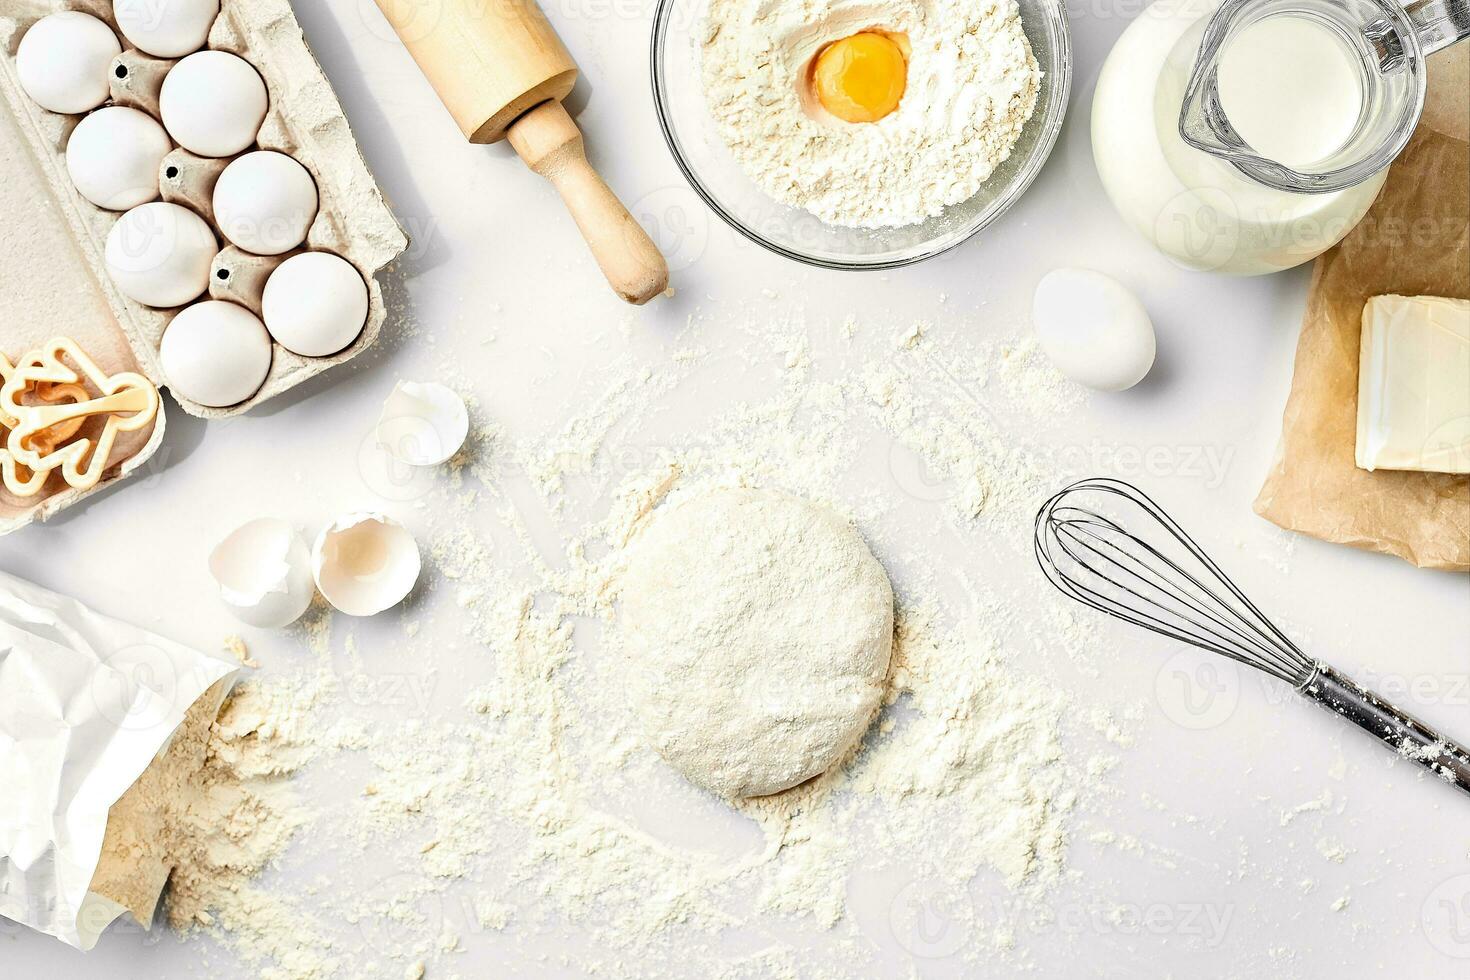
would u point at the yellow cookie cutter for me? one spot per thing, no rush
(37, 438)
(18, 479)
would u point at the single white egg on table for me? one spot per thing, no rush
(263, 570)
(265, 202)
(315, 304)
(1093, 328)
(166, 28)
(213, 103)
(215, 353)
(63, 60)
(113, 157)
(159, 254)
(365, 563)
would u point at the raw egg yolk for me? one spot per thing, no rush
(860, 78)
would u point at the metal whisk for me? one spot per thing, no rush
(1139, 565)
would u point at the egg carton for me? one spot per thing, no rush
(50, 227)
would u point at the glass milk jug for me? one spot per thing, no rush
(1250, 136)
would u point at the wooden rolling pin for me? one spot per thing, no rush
(502, 73)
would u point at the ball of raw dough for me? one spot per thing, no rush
(757, 628)
(159, 254)
(213, 103)
(315, 304)
(113, 157)
(166, 28)
(265, 202)
(215, 353)
(63, 59)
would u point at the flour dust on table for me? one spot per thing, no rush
(523, 801)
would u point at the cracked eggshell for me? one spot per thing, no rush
(264, 573)
(423, 424)
(365, 563)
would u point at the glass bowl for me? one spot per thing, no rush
(716, 176)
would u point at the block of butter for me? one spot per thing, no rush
(1414, 385)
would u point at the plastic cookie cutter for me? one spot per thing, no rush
(19, 479)
(48, 401)
(16, 478)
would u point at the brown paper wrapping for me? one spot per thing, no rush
(1414, 242)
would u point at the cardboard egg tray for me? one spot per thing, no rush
(53, 280)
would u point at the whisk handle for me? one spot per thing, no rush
(1407, 736)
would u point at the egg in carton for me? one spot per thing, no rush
(66, 241)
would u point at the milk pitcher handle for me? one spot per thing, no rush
(1439, 23)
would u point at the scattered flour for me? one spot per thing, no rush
(520, 803)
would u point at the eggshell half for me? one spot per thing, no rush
(365, 563)
(264, 573)
(423, 424)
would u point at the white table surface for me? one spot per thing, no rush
(495, 255)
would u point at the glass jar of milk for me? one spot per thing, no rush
(1250, 136)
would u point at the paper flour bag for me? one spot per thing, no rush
(89, 713)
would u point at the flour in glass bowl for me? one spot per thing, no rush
(972, 86)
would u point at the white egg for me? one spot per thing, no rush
(265, 202)
(213, 103)
(113, 157)
(1093, 328)
(315, 304)
(365, 563)
(159, 254)
(166, 28)
(215, 353)
(423, 424)
(63, 60)
(263, 570)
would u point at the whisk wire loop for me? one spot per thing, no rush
(1117, 571)
(1169, 585)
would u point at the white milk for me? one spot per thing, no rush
(1289, 87)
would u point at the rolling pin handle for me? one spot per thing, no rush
(550, 143)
